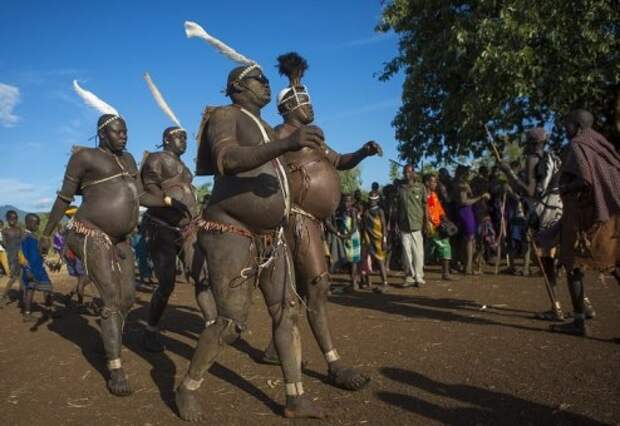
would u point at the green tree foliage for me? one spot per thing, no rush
(202, 191)
(427, 170)
(394, 171)
(513, 151)
(350, 180)
(505, 63)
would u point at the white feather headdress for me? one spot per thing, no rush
(93, 101)
(161, 102)
(192, 29)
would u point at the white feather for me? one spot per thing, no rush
(93, 101)
(192, 29)
(161, 102)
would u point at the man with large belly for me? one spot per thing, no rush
(107, 179)
(315, 190)
(169, 232)
(242, 235)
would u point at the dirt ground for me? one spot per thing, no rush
(433, 354)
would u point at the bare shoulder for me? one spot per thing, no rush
(84, 153)
(153, 158)
(225, 112)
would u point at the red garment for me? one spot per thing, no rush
(435, 209)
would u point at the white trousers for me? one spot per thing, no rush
(413, 254)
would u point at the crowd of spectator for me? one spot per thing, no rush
(461, 221)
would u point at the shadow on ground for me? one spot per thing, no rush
(485, 406)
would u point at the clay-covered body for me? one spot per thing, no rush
(251, 199)
(313, 179)
(112, 205)
(174, 179)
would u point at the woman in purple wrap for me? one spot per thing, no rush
(467, 219)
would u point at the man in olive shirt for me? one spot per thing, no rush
(412, 219)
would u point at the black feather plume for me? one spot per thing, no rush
(293, 66)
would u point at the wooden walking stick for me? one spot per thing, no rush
(502, 224)
(550, 293)
(498, 157)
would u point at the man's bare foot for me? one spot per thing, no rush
(381, 289)
(552, 315)
(346, 378)
(188, 404)
(271, 359)
(118, 384)
(299, 407)
(28, 317)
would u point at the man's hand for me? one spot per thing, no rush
(372, 148)
(306, 137)
(177, 205)
(486, 196)
(428, 228)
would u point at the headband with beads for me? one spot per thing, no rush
(108, 121)
(246, 71)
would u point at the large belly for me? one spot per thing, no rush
(254, 199)
(316, 188)
(112, 207)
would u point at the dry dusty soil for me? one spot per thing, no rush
(433, 354)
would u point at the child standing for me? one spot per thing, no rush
(375, 240)
(12, 236)
(348, 231)
(34, 275)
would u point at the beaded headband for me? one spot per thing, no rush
(108, 121)
(172, 132)
(246, 71)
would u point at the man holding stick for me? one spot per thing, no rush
(539, 191)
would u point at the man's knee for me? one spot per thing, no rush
(164, 290)
(229, 329)
(126, 304)
(318, 290)
(576, 275)
(286, 311)
(165, 267)
(109, 311)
